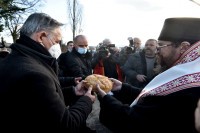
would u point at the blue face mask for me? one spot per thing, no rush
(82, 50)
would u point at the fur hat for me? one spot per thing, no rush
(181, 29)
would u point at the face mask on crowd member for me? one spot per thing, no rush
(82, 50)
(81, 44)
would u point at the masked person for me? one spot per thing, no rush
(31, 98)
(78, 63)
(168, 102)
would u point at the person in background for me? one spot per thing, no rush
(141, 67)
(63, 58)
(168, 102)
(135, 44)
(78, 63)
(70, 46)
(104, 62)
(31, 98)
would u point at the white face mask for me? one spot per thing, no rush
(82, 50)
(55, 50)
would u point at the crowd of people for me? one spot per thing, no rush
(155, 88)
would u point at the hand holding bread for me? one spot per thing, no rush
(104, 82)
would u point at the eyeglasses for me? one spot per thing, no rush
(166, 45)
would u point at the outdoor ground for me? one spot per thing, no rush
(93, 119)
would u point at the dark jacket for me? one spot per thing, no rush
(61, 62)
(77, 65)
(31, 98)
(107, 67)
(173, 113)
(65, 80)
(136, 64)
(3, 54)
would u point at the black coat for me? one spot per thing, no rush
(31, 98)
(136, 64)
(76, 65)
(173, 113)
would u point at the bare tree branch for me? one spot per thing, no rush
(75, 16)
(14, 13)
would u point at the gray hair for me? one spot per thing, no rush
(37, 22)
(106, 41)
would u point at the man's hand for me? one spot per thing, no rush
(80, 89)
(89, 94)
(141, 78)
(77, 80)
(100, 92)
(117, 85)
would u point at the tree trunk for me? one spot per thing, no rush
(74, 18)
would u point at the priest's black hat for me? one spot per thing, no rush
(181, 29)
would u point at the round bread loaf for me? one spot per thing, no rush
(104, 82)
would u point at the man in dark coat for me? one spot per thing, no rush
(168, 102)
(62, 58)
(31, 98)
(140, 68)
(78, 62)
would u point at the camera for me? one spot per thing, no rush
(129, 50)
(130, 39)
(104, 50)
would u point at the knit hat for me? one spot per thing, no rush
(181, 29)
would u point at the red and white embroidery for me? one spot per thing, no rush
(189, 55)
(176, 85)
(190, 77)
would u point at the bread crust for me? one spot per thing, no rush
(104, 82)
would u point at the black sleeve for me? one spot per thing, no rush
(74, 66)
(69, 95)
(95, 60)
(66, 81)
(129, 67)
(45, 90)
(127, 94)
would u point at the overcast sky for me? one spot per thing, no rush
(120, 19)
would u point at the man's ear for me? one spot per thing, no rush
(184, 46)
(38, 36)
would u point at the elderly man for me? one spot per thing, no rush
(135, 43)
(31, 98)
(168, 102)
